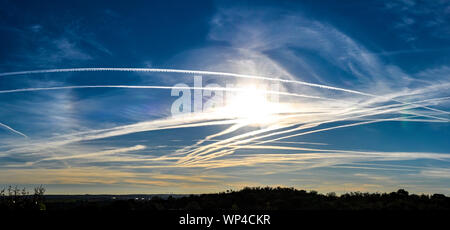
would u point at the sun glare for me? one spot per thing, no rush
(252, 106)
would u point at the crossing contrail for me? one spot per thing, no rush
(201, 72)
(200, 152)
(360, 113)
(201, 158)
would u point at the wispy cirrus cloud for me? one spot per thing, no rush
(413, 16)
(312, 60)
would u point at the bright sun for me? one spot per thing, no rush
(252, 106)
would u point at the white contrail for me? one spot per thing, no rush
(193, 155)
(189, 72)
(231, 151)
(212, 147)
(13, 130)
(200, 72)
(61, 140)
(163, 87)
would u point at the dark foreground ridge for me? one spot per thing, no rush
(257, 198)
(279, 206)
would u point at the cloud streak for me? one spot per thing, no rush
(13, 130)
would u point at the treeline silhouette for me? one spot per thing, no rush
(255, 198)
(279, 198)
(13, 198)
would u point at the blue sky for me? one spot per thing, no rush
(363, 91)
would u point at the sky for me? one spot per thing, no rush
(105, 97)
